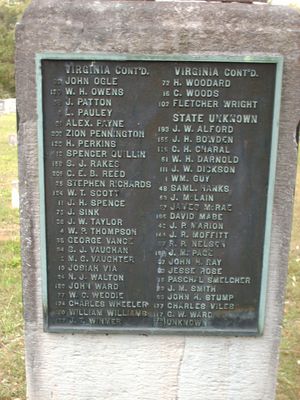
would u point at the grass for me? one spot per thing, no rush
(289, 369)
(12, 374)
(8, 166)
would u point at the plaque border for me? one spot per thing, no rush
(276, 59)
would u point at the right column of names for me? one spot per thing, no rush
(200, 149)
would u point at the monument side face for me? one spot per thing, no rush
(71, 363)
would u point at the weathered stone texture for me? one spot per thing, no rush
(93, 367)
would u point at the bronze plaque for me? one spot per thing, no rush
(155, 188)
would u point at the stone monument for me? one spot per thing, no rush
(157, 163)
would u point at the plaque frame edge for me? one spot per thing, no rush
(271, 58)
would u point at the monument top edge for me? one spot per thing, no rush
(281, 17)
(221, 5)
(150, 3)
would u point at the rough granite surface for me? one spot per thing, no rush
(123, 367)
